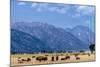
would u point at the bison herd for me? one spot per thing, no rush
(45, 58)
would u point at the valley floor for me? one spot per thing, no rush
(49, 58)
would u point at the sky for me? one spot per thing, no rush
(59, 15)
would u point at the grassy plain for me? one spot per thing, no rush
(83, 57)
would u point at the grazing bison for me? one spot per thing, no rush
(28, 59)
(24, 60)
(41, 58)
(33, 56)
(67, 57)
(77, 58)
(52, 59)
(19, 60)
(57, 58)
(63, 59)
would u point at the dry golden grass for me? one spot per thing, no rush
(82, 56)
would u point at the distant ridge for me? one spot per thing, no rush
(50, 37)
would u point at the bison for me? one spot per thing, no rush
(67, 57)
(52, 59)
(41, 58)
(77, 58)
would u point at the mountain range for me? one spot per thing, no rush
(83, 33)
(27, 37)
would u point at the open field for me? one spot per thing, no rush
(46, 58)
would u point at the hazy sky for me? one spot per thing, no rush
(60, 15)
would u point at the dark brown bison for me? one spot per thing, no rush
(19, 60)
(33, 56)
(57, 58)
(23, 60)
(41, 58)
(66, 57)
(77, 58)
(52, 59)
(27, 60)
